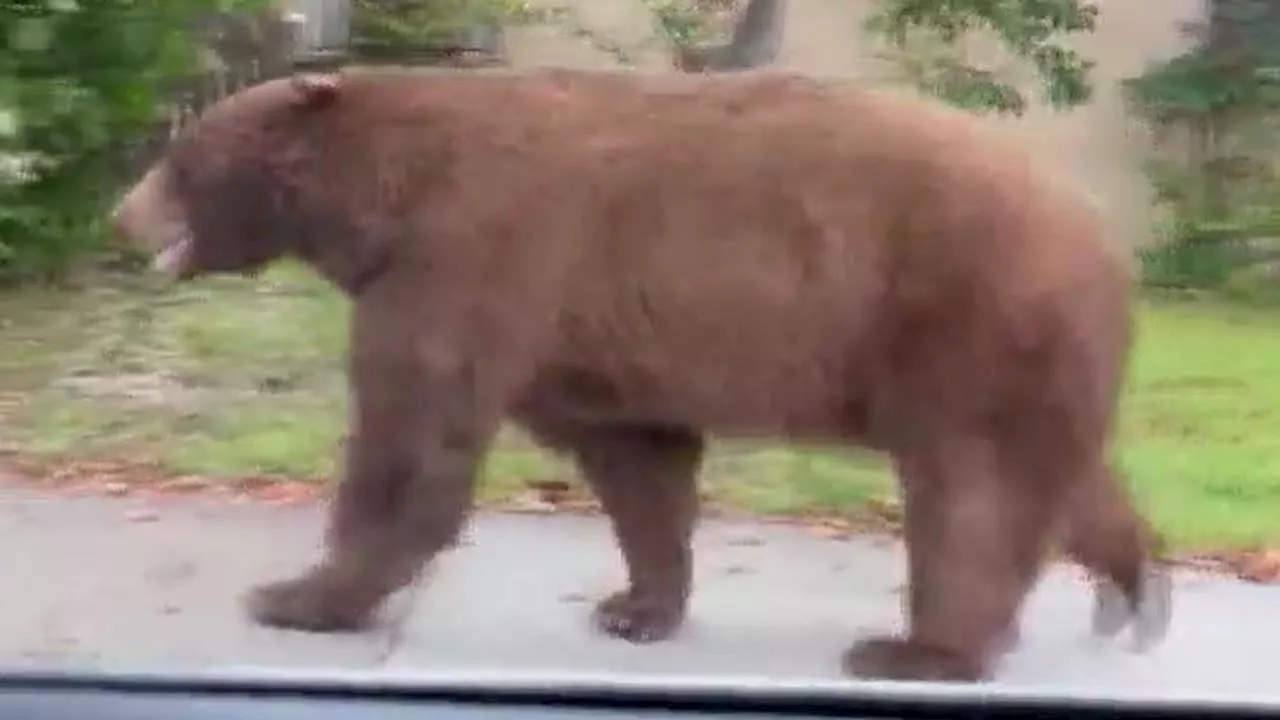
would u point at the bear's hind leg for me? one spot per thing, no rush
(975, 543)
(646, 480)
(1106, 535)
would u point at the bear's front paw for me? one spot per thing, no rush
(891, 658)
(313, 602)
(638, 619)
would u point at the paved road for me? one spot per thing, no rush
(83, 582)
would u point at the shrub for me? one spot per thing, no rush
(77, 81)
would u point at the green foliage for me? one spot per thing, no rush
(1028, 28)
(686, 23)
(1198, 84)
(390, 26)
(76, 80)
(1219, 100)
(926, 33)
(1203, 257)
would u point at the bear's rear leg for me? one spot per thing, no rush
(975, 543)
(1105, 535)
(646, 479)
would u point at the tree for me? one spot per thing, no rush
(1030, 29)
(1218, 103)
(77, 80)
(398, 29)
(755, 41)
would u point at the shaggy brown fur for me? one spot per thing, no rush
(624, 264)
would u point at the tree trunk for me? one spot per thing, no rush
(757, 38)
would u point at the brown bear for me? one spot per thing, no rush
(626, 264)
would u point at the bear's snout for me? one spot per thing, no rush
(127, 220)
(147, 219)
(129, 226)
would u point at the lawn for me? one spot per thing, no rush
(230, 378)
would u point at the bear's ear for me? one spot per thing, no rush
(316, 90)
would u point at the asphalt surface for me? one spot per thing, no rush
(121, 583)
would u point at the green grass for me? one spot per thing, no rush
(228, 378)
(1200, 421)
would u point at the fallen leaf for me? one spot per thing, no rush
(286, 493)
(550, 490)
(886, 509)
(116, 488)
(185, 483)
(832, 529)
(582, 506)
(531, 502)
(1263, 567)
(253, 483)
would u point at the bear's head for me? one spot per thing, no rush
(226, 196)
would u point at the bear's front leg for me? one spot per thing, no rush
(410, 464)
(388, 520)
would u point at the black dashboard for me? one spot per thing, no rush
(347, 696)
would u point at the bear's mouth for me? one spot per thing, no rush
(175, 257)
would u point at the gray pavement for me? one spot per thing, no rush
(84, 583)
